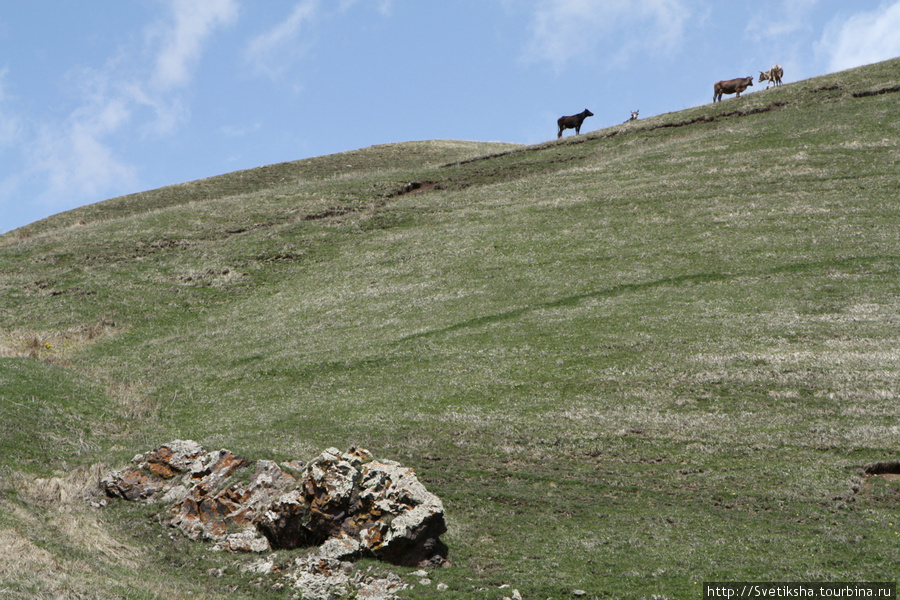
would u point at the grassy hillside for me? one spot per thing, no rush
(629, 362)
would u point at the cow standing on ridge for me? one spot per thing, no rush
(572, 122)
(773, 75)
(731, 86)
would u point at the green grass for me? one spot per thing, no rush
(629, 362)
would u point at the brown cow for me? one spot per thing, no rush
(731, 86)
(773, 75)
(573, 122)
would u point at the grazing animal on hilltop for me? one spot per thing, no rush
(634, 116)
(731, 86)
(572, 122)
(773, 76)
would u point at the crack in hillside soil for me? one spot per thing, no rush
(884, 467)
(251, 228)
(827, 88)
(862, 485)
(728, 115)
(331, 212)
(886, 90)
(415, 187)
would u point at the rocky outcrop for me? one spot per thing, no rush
(345, 503)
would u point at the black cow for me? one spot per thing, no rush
(573, 122)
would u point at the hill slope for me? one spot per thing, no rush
(629, 362)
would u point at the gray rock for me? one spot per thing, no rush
(346, 503)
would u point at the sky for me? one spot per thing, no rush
(101, 98)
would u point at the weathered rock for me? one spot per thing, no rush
(318, 578)
(284, 522)
(150, 478)
(328, 486)
(204, 511)
(340, 547)
(321, 578)
(346, 503)
(132, 484)
(215, 506)
(398, 519)
(171, 459)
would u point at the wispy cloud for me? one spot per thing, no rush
(183, 39)
(10, 126)
(178, 41)
(383, 6)
(275, 52)
(77, 163)
(862, 39)
(237, 131)
(272, 53)
(777, 19)
(564, 30)
(80, 157)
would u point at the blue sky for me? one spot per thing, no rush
(100, 98)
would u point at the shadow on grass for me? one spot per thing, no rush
(618, 290)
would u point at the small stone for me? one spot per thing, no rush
(425, 581)
(579, 593)
(260, 566)
(516, 595)
(341, 547)
(442, 586)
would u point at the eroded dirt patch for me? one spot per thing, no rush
(884, 467)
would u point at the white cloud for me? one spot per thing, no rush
(78, 158)
(236, 131)
(10, 126)
(383, 6)
(183, 42)
(862, 39)
(564, 30)
(274, 51)
(76, 163)
(775, 20)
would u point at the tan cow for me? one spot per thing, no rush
(773, 75)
